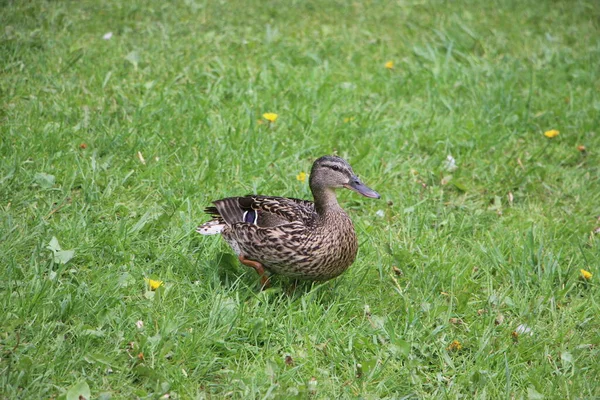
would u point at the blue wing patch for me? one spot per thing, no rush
(251, 217)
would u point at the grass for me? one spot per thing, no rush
(494, 245)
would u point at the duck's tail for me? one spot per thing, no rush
(211, 227)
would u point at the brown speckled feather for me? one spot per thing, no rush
(296, 249)
(293, 237)
(272, 211)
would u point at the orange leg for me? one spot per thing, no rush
(260, 270)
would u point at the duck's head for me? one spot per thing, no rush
(333, 172)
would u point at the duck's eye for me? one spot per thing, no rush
(335, 168)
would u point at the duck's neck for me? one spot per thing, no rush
(325, 201)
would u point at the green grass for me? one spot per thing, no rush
(493, 245)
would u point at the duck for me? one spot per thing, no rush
(300, 239)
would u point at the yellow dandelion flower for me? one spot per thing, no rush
(271, 117)
(389, 65)
(455, 346)
(301, 176)
(551, 133)
(587, 275)
(153, 284)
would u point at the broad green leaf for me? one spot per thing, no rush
(59, 256)
(63, 256)
(533, 394)
(566, 357)
(53, 245)
(134, 58)
(79, 391)
(46, 181)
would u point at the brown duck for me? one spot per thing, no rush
(292, 237)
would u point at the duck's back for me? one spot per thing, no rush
(263, 211)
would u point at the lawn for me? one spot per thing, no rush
(121, 120)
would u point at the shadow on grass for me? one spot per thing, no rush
(233, 276)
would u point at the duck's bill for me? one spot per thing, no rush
(361, 188)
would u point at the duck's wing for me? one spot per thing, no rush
(263, 211)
